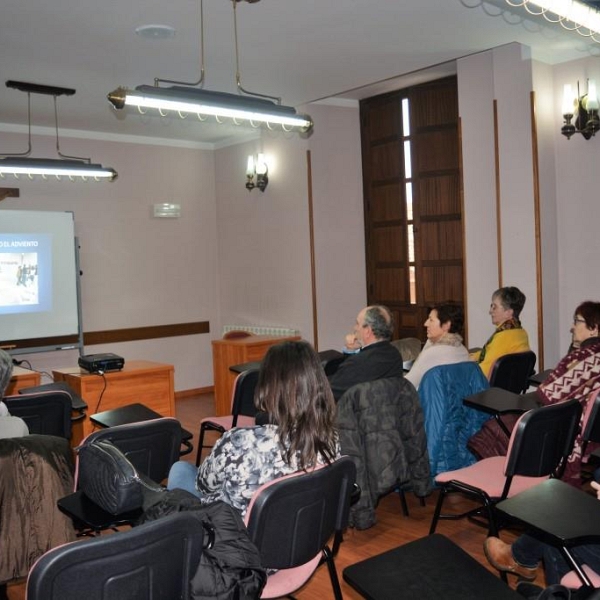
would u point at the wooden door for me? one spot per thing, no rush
(413, 220)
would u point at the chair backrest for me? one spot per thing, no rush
(448, 422)
(151, 562)
(290, 519)
(331, 360)
(152, 446)
(591, 423)
(46, 413)
(236, 334)
(542, 439)
(512, 371)
(243, 395)
(409, 348)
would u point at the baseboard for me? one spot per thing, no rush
(194, 392)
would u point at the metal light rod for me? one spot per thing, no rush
(48, 167)
(256, 111)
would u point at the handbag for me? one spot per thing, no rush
(109, 479)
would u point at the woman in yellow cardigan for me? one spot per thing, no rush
(509, 336)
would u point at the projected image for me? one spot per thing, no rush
(24, 266)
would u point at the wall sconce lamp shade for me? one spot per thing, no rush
(183, 100)
(257, 168)
(585, 110)
(49, 167)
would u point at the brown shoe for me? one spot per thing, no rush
(500, 556)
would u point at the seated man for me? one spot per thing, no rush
(376, 359)
(9, 426)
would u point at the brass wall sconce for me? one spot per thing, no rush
(258, 170)
(585, 110)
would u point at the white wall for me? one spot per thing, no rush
(264, 238)
(502, 74)
(137, 270)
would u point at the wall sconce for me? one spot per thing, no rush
(257, 167)
(583, 108)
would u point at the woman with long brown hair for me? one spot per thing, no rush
(294, 392)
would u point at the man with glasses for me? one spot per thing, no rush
(376, 358)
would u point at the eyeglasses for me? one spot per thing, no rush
(578, 320)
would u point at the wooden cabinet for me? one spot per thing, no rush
(227, 353)
(142, 381)
(22, 378)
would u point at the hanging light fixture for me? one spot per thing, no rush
(573, 15)
(585, 110)
(74, 167)
(256, 110)
(257, 168)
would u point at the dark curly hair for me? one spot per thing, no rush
(590, 311)
(451, 312)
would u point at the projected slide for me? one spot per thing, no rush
(25, 273)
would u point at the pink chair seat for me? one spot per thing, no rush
(287, 581)
(571, 580)
(488, 475)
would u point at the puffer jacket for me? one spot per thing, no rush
(380, 424)
(448, 422)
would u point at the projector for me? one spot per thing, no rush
(101, 362)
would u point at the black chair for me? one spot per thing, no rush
(154, 561)
(291, 520)
(331, 360)
(45, 413)
(151, 446)
(539, 446)
(243, 411)
(512, 371)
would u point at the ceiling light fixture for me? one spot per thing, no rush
(256, 110)
(66, 166)
(572, 15)
(74, 167)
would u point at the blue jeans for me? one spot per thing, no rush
(529, 551)
(183, 476)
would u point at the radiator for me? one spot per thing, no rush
(262, 330)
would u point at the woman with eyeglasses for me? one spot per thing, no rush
(577, 375)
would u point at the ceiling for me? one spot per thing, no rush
(300, 50)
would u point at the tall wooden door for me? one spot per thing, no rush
(412, 193)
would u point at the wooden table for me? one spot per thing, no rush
(22, 378)
(227, 353)
(142, 381)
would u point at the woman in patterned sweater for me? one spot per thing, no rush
(293, 390)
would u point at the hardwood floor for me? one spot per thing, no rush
(391, 530)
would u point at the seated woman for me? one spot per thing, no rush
(577, 375)
(293, 390)
(509, 336)
(10, 427)
(444, 341)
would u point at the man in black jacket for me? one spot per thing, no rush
(376, 359)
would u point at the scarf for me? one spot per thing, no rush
(512, 323)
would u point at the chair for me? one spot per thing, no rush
(539, 446)
(236, 334)
(45, 413)
(291, 519)
(448, 422)
(242, 414)
(380, 424)
(151, 446)
(154, 561)
(512, 371)
(331, 360)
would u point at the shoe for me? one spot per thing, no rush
(500, 556)
(534, 592)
